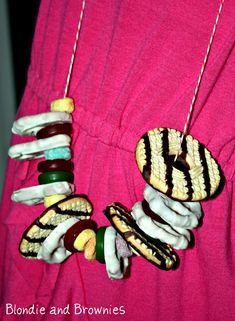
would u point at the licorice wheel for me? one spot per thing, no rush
(100, 244)
(55, 129)
(57, 176)
(55, 165)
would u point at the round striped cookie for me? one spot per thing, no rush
(194, 176)
(75, 206)
(151, 249)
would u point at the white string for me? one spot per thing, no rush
(186, 125)
(74, 49)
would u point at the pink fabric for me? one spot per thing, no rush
(136, 68)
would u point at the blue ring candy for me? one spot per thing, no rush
(58, 153)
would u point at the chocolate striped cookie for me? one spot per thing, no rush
(153, 250)
(194, 176)
(73, 206)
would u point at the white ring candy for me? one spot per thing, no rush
(113, 264)
(30, 125)
(52, 249)
(35, 194)
(35, 149)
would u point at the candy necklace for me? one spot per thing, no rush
(189, 173)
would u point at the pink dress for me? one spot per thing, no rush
(136, 68)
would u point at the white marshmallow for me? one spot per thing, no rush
(30, 125)
(35, 149)
(35, 194)
(52, 249)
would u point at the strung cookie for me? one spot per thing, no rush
(153, 250)
(194, 176)
(73, 206)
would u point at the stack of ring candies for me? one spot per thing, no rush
(58, 166)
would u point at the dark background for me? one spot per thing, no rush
(22, 20)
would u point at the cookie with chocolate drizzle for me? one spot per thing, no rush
(153, 250)
(77, 206)
(193, 176)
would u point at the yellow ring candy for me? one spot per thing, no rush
(82, 239)
(89, 250)
(63, 104)
(50, 200)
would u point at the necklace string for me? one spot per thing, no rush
(194, 98)
(191, 108)
(68, 80)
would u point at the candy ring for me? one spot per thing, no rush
(63, 104)
(30, 125)
(74, 206)
(50, 200)
(153, 250)
(89, 249)
(78, 235)
(58, 153)
(113, 264)
(35, 194)
(52, 249)
(55, 165)
(100, 244)
(57, 176)
(194, 176)
(36, 149)
(55, 129)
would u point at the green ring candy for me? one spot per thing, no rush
(56, 176)
(100, 244)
